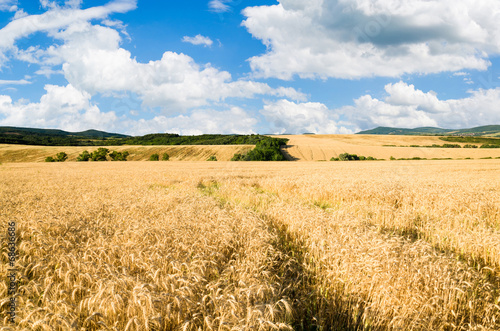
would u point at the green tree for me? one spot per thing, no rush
(119, 156)
(212, 158)
(85, 156)
(61, 157)
(165, 157)
(154, 157)
(238, 157)
(49, 159)
(100, 154)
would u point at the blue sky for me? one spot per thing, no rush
(233, 66)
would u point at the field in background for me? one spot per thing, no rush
(323, 147)
(25, 153)
(407, 245)
(299, 148)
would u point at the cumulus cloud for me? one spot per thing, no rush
(199, 121)
(61, 107)
(219, 6)
(198, 40)
(406, 106)
(8, 5)
(297, 118)
(67, 108)
(363, 38)
(57, 18)
(93, 61)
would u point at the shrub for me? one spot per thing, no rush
(85, 156)
(119, 156)
(352, 157)
(61, 157)
(267, 149)
(489, 146)
(165, 157)
(100, 154)
(154, 157)
(348, 157)
(238, 157)
(451, 146)
(393, 158)
(470, 146)
(212, 158)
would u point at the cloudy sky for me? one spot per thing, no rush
(241, 66)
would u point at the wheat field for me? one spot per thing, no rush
(24, 153)
(323, 147)
(407, 245)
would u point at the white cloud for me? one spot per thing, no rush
(61, 107)
(219, 6)
(363, 38)
(8, 5)
(408, 107)
(67, 108)
(296, 118)
(14, 82)
(48, 72)
(200, 121)
(404, 106)
(92, 61)
(57, 18)
(198, 40)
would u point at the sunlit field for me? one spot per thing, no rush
(382, 245)
(323, 147)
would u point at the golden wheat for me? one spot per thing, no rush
(246, 245)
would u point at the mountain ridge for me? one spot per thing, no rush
(485, 130)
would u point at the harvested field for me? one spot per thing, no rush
(409, 245)
(323, 147)
(24, 153)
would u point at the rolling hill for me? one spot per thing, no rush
(487, 130)
(323, 147)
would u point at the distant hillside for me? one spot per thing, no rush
(93, 134)
(487, 130)
(52, 137)
(48, 137)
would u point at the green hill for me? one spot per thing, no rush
(50, 137)
(487, 130)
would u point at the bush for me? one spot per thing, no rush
(451, 146)
(238, 157)
(212, 158)
(470, 146)
(85, 156)
(352, 157)
(165, 157)
(61, 157)
(348, 157)
(489, 146)
(154, 157)
(100, 154)
(119, 156)
(267, 149)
